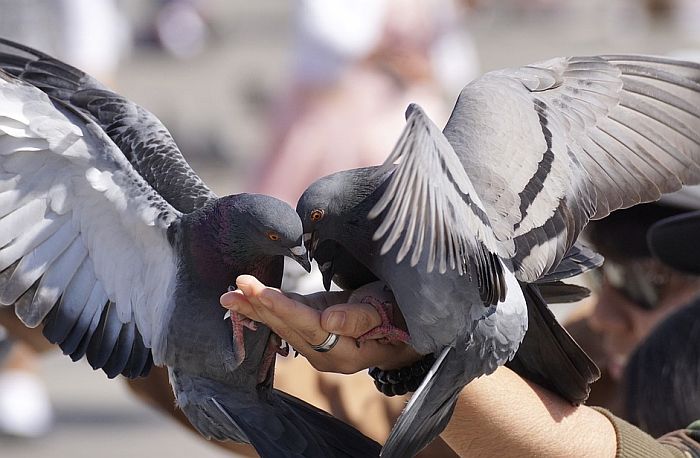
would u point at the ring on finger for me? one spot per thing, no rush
(328, 344)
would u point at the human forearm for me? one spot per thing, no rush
(503, 415)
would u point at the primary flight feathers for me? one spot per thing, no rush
(77, 218)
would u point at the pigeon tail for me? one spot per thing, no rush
(427, 413)
(275, 423)
(549, 356)
(558, 292)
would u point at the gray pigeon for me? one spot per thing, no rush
(473, 218)
(111, 241)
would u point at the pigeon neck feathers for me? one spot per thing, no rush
(217, 248)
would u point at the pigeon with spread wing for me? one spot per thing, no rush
(472, 225)
(111, 242)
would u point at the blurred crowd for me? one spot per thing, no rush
(353, 67)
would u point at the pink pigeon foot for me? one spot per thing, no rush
(238, 322)
(274, 348)
(388, 332)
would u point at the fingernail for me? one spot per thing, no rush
(226, 299)
(243, 287)
(335, 321)
(229, 299)
(242, 282)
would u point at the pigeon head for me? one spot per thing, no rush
(264, 225)
(332, 202)
(334, 209)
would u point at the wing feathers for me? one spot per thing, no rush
(122, 350)
(34, 265)
(20, 221)
(105, 338)
(55, 280)
(78, 339)
(622, 130)
(432, 211)
(83, 235)
(67, 313)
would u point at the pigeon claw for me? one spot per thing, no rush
(283, 348)
(386, 332)
(274, 347)
(238, 341)
(238, 322)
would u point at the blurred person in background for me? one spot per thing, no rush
(661, 383)
(634, 291)
(356, 67)
(91, 35)
(665, 369)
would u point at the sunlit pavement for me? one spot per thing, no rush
(98, 417)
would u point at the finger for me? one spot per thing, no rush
(277, 309)
(299, 325)
(324, 299)
(351, 320)
(237, 302)
(253, 289)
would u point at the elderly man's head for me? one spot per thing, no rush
(636, 291)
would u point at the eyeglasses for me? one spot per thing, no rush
(642, 282)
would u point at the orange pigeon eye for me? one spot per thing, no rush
(316, 215)
(273, 236)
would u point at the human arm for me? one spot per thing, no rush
(496, 415)
(504, 415)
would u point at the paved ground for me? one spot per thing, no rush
(214, 105)
(98, 417)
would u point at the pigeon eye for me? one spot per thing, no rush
(317, 215)
(273, 236)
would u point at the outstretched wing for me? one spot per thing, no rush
(552, 145)
(431, 205)
(83, 242)
(141, 137)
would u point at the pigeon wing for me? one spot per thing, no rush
(83, 237)
(139, 134)
(431, 209)
(552, 145)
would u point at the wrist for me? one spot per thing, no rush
(396, 382)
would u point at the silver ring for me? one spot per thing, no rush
(328, 344)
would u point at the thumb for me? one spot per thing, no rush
(352, 320)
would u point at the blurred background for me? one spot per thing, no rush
(266, 96)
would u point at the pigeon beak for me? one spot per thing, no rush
(300, 255)
(311, 242)
(327, 273)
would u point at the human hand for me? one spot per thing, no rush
(299, 321)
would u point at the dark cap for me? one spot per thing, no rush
(676, 241)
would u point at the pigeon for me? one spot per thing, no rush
(470, 225)
(112, 242)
